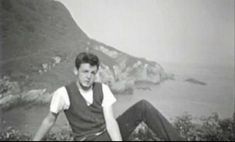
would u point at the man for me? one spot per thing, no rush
(88, 108)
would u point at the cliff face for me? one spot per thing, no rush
(40, 41)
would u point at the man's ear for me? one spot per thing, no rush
(75, 71)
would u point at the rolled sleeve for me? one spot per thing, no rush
(60, 100)
(108, 98)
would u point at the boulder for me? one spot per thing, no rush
(57, 59)
(32, 95)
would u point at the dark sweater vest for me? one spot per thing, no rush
(85, 120)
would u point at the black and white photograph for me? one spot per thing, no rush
(117, 70)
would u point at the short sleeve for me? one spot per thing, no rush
(108, 97)
(60, 100)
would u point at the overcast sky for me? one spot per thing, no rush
(182, 31)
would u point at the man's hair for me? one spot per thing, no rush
(85, 57)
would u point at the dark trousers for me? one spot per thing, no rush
(143, 111)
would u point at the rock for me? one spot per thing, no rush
(9, 101)
(40, 71)
(32, 95)
(43, 99)
(105, 75)
(122, 86)
(110, 53)
(194, 81)
(45, 67)
(57, 59)
(36, 96)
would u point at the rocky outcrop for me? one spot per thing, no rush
(11, 95)
(122, 77)
(195, 81)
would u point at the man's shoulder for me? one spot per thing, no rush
(61, 90)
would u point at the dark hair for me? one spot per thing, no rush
(85, 57)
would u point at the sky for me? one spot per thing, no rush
(178, 31)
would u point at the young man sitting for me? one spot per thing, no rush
(88, 107)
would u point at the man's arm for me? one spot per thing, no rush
(111, 124)
(46, 125)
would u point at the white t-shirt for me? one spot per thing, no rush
(60, 100)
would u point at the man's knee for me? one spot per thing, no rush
(145, 104)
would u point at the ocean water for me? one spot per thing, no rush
(176, 97)
(172, 98)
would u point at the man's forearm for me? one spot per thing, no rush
(44, 128)
(114, 131)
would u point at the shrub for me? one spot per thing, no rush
(185, 127)
(63, 135)
(12, 134)
(212, 128)
(143, 133)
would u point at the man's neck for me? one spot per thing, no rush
(83, 88)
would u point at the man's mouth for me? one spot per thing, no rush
(87, 82)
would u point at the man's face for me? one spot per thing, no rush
(86, 75)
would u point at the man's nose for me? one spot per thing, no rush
(89, 75)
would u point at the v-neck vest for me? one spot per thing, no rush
(85, 120)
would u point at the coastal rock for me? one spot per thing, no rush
(195, 81)
(57, 59)
(32, 95)
(9, 101)
(38, 96)
(122, 87)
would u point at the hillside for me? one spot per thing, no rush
(40, 41)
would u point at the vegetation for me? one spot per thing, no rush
(211, 128)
